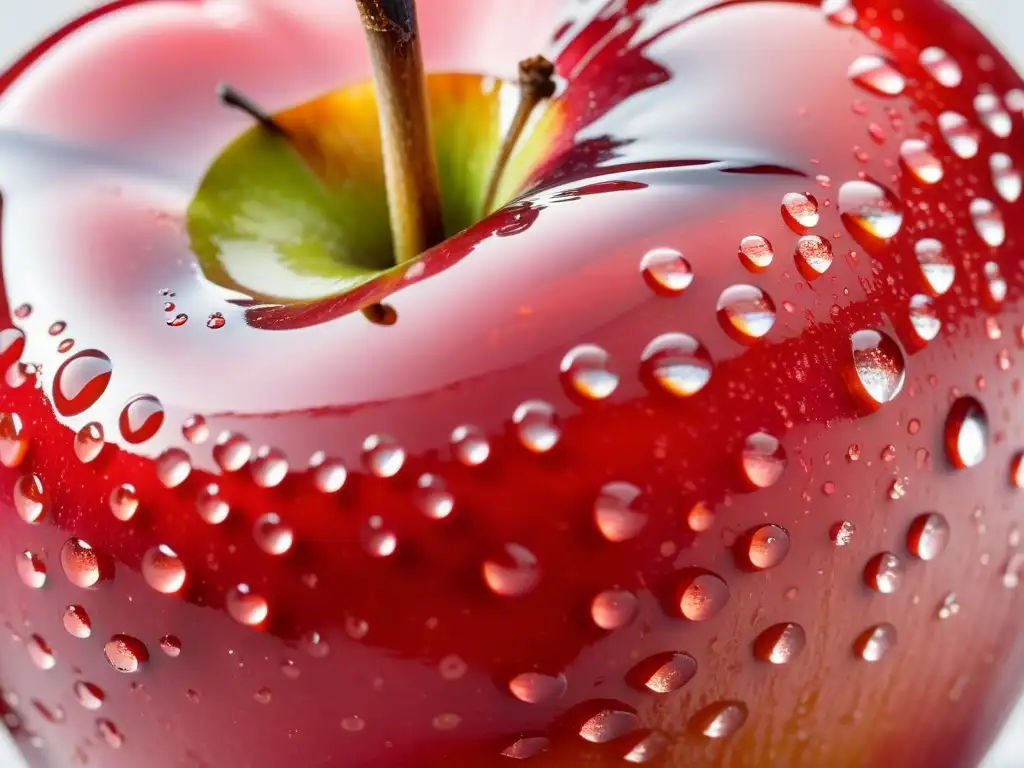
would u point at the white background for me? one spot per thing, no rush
(24, 21)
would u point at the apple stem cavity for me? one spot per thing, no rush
(410, 167)
(536, 83)
(236, 100)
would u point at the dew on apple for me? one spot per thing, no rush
(446, 721)
(77, 622)
(383, 455)
(871, 208)
(210, 506)
(676, 363)
(163, 570)
(617, 512)
(966, 433)
(756, 253)
(1005, 176)
(928, 535)
(609, 725)
(936, 265)
(109, 733)
(701, 517)
(877, 75)
(171, 646)
(18, 374)
(12, 345)
(513, 572)
(875, 642)
(839, 12)
(650, 747)
(878, 369)
(245, 606)
(995, 282)
(948, 608)
(613, 608)
(941, 66)
(232, 451)
(40, 653)
(57, 328)
(453, 667)
(766, 546)
(666, 271)
(80, 381)
(14, 441)
(81, 563)
(884, 572)
(173, 467)
(141, 418)
(469, 445)
(272, 535)
(762, 459)
(668, 672)
(918, 158)
(745, 312)
(22, 311)
(353, 723)
(842, 533)
(65, 345)
(1014, 100)
(215, 321)
(1017, 470)
(124, 502)
(315, 645)
(88, 442)
(702, 595)
(526, 747)
(813, 256)
(31, 569)
(720, 720)
(959, 134)
(433, 497)
(923, 317)
(329, 474)
(800, 211)
(780, 643)
(88, 695)
(268, 467)
(585, 371)
(537, 425)
(536, 688)
(178, 320)
(992, 114)
(988, 221)
(194, 429)
(377, 539)
(30, 498)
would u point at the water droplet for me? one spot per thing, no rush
(124, 502)
(988, 221)
(268, 467)
(1017, 470)
(376, 539)
(470, 446)
(950, 607)
(923, 317)
(666, 271)
(537, 425)
(57, 328)
(767, 546)
(613, 608)
(650, 747)
(81, 563)
(77, 622)
(65, 345)
(40, 653)
(109, 733)
(763, 459)
(878, 369)
(676, 363)
(966, 433)
(514, 574)
(875, 74)
(210, 506)
(585, 371)
(928, 535)
(700, 518)
(194, 429)
(383, 455)
(535, 688)
(746, 312)
(178, 320)
(781, 643)
(938, 269)
(870, 208)
(80, 381)
(31, 570)
(526, 747)
(839, 12)
(125, 653)
(453, 667)
(434, 499)
(329, 474)
(800, 211)
(1005, 177)
(959, 134)
(842, 533)
(22, 311)
(215, 321)
(702, 595)
(992, 115)
(13, 440)
(171, 646)
(941, 66)
(89, 696)
(616, 511)
(315, 645)
(875, 642)
(721, 719)
(756, 253)
(813, 256)
(141, 418)
(446, 721)
(88, 442)
(173, 467)
(245, 606)
(30, 498)
(608, 725)
(263, 695)
(232, 451)
(353, 724)
(884, 572)
(667, 672)
(272, 535)
(163, 570)
(919, 159)
(996, 283)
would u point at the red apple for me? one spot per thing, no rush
(702, 450)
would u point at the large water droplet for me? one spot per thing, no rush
(676, 363)
(613, 608)
(877, 75)
(608, 725)
(329, 475)
(928, 535)
(537, 425)
(268, 467)
(666, 271)
(173, 467)
(232, 451)
(31, 569)
(470, 446)
(813, 256)
(959, 134)
(88, 442)
(941, 66)
(12, 345)
(617, 511)
(870, 208)
(245, 606)
(163, 570)
(875, 642)
(756, 253)
(966, 433)
(746, 312)
(535, 688)
(721, 719)
(988, 221)
(884, 572)
(936, 266)
(878, 370)
(781, 643)
(40, 653)
(667, 672)
(585, 372)
(842, 533)
(124, 502)
(992, 114)
(763, 459)
(514, 573)
(701, 595)
(382, 455)
(766, 546)
(272, 535)
(919, 159)
(30, 498)
(923, 317)
(77, 622)
(13, 440)
(141, 418)
(1005, 176)
(125, 653)
(80, 381)
(81, 563)
(800, 211)
(210, 506)
(434, 499)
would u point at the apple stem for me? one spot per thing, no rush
(536, 83)
(236, 100)
(380, 314)
(410, 167)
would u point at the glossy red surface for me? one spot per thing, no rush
(653, 626)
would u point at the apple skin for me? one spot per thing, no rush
(690, 141)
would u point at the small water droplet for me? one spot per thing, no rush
(535, 688)
(617, 513)
(756, 253)
(81, 563)
(268, 467)
(470, 446)
(700, 518)
(992, 114)
(272, 535)
(178, 320)
(666, 271)
(125, 653)
(938, 269)
(194, 429)
(870, 208)
(813, 256)
(676, 363)
(514, 574)
(959, 135)
(141, 418)
(875, 642)
(839, 12)
(781, 643)
(878, 369)
(31, 569)
(22, 311)
(1017, 470)
(608, 725)
(884, 572)
(701, 595)
(245, 606)
(1005, 177)
(109, 733)
(353, 724)
(434, 499)
(40, 653)
(949, 607)
(13, 440)
(171, 646)
(124, 502)
(446, 721)
(537, 425)
(923, 317)
(378, 540)
(746, 312)
(173, 467)
(842, 533)
(941, 66)
(65, 345)
(766, 546)
(763, 459)
(232, 451)
(263, 695)
(383, 455)
(329, 474)
(80, 381)
(995, 281)
(668, 672)
(877, 75)
(721, 719)
(315, 645)
(526, 747)
(585, 371)
(928, 535)
(88, 443)
(988, 221)
(800, 211)
(613, 608)
(89, 696)
(650, 747)
(57, 328)
(215, 321)
(966, 433)
(77, 622)
(919, 159)
(210, 506)
(30, 498)
(453, 667)
(163, 570)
